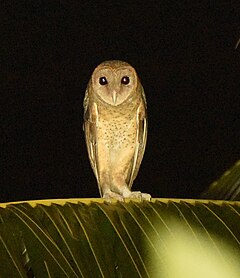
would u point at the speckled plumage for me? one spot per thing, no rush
(115, 124)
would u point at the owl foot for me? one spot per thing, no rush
(110, 195)
(137, 195)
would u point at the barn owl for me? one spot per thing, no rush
(115, 125)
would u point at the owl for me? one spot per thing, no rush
(115, 125)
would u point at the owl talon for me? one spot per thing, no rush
(110, 196)
(138, 195)
(146, 196)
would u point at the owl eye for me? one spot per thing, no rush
(125, 80)
(103, 80)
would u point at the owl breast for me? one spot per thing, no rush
(117, 129)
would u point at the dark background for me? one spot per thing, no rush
(184, 54)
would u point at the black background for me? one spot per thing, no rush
(184, 54)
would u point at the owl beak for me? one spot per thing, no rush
(114, 97)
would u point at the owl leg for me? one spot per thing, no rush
(105, 188)
(104, 170)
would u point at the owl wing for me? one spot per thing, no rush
(141, 139)
(90, 130)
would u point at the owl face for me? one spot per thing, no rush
(114, 82)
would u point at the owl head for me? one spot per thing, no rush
(114, 82)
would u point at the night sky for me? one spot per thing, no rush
(184, 53)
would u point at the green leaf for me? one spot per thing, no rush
(92, 238)
(227, 187)
(12, 260)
